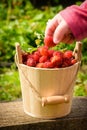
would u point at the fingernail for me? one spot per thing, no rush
(56, 41)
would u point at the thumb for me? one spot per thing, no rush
(60, 32)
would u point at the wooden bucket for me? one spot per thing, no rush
(47, 93)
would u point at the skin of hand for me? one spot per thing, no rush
(59, 30)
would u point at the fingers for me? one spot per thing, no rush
(59, 30)
(71, 38)
(51, 26)
(70, 41)
(68, 38)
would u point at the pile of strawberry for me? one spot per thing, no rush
(48, 58)
(45, 57)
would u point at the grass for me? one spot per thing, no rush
(81, 82)
(9, 85)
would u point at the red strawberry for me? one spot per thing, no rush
(48, 41)
(31, 62)
(50, 53)
(73, 61)
(43, 59)
(37, 53)
(48, 64)
(24, 57)
(36, 57)
(39, 65)
(56, 60)
(30, 55)
(68, 54)
(58, 53)
(43, 51)
(66, 62)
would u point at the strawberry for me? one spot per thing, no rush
(66, 62)
(31, 62)
(43, 51)
(36, 57)
(48, 41)
(37, 53)
(48, 64)
(68, 54)
(58, 53)
(50, 52)
(43, 59)
(24, 57)
(73, 61)
(56, 60)
(39, 65)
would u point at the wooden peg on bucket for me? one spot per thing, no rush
(55, 100)
(18, 53)
(77, 51)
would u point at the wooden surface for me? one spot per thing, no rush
(12, 117)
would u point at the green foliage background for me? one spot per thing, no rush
(21, 22)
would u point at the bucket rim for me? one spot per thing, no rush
(50, 69)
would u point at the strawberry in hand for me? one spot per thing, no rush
(48, 41)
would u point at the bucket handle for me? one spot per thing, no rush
(55, 100)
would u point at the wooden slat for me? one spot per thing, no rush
(12, 117)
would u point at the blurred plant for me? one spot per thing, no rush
(18, 24)
(9, 85)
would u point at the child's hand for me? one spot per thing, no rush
(59, 30)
